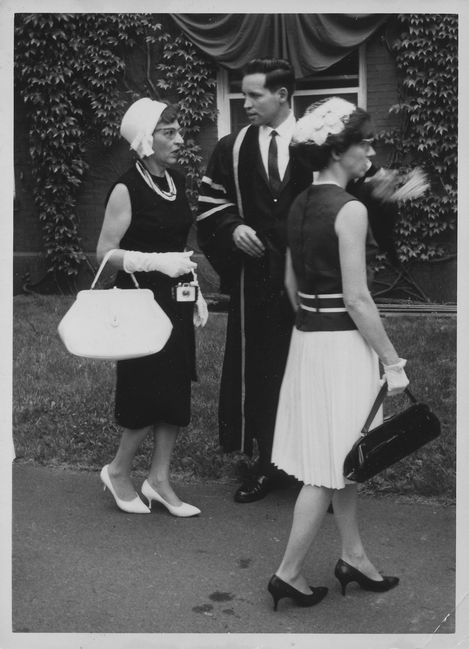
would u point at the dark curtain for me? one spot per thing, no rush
(311, 42)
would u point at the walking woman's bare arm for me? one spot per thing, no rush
(351, 228)
(290, 281)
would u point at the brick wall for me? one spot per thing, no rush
(381, 82)
(381, 88)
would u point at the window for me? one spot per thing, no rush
(344, 79)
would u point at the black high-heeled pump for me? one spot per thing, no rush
(279, 589)
(346, 573)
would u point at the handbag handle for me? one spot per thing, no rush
(103, 263)
(378, 401)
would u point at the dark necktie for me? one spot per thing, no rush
(272, 165)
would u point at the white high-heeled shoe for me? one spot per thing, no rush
(183, 510)
(134, 506)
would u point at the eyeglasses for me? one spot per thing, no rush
(170, 133)
(368, 141)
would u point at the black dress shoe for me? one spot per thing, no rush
(253, 489)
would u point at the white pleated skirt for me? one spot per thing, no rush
(331, 381)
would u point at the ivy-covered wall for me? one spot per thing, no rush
(146, 72)
(75, 75)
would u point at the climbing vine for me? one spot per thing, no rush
(426, 55)
(188, 75)
(71, 73)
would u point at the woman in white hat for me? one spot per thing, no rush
(146, 222)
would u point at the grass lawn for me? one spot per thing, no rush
(63, 405)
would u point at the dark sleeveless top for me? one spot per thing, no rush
(157, 225)
(314, 247)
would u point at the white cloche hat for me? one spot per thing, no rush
(138, 124)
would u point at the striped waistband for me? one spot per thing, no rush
(322, 302)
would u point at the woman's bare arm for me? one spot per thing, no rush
(351, 228)
(117, 218)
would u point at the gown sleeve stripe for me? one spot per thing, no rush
(203, 215)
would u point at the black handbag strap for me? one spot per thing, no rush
(378, 401)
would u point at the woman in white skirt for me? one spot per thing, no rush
(332, 374)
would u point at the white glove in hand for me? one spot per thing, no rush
(396, 377)
(200, 311)
(172, 264)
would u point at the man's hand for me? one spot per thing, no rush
(245, 239)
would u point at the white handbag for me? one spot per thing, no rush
(115, 323)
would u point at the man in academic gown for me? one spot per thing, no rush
(244, 201)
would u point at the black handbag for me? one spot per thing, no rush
(394, 439)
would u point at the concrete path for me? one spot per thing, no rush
(82, 566)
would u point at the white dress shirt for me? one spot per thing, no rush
(285, 133)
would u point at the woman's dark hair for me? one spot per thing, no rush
(169, 115)
(278, 73)
(358, 126)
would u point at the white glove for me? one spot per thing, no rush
(395, 377)
(200, 311)
(173, 264)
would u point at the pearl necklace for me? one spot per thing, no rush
(169, 195)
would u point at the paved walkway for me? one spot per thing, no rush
(82, 566)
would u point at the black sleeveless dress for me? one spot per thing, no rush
(157, 388)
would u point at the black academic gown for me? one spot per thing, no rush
(260, 317)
